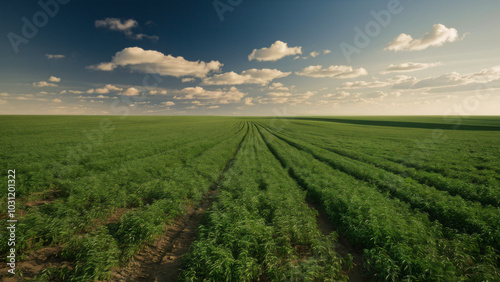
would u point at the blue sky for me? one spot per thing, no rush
(261, 57)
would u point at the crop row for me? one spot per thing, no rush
(260, 227)
(451, 211)
(154, 189)
(470, 191)
(399, 243)
(468, 156)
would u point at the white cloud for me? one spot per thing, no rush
(4, 94)
(276, 51)
(116, 24)
(251, 76)
(439, 35)
(131, 91)
(452, 79)
(57, 101)
(188, 79)
(248, 101)
(168, 103)
(44, 84)
(285, 98)
(326, 52)
(54, 79)
(150, 61)
(124, 26)
(314, 54)
(393, 81)
(219, 96)
(332, 71)
(409, 66)
(455, 79)
(279, 94)
(103, 67)
(155, 92)
(75, 91)
(278, 86)
(339, 95)
(104, 90)
(54, 57)
(63, 92)
(213, 107)
(101, 91)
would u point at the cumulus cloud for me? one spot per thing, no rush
(155, 92)
(104, 90)
(168, 103)
(213, 107)
(57, 101)
(54, 79)
(455, 79)
(49, 83)
(278, 86)
(248, 101)
(75, 91)
(409, 66)
(332, 71)
(276, 51)
(220, 96)
(130, 92)
(448, 80)
(326, 52)
(103, 67)
(188, 79)
(439, 35)
(314, 54)
(339, 95)
(54, 57)
(124, 26)
(285, 98)
(402, 80)
(4, 94)
(44, 84)
(251, 76)
(151, 61)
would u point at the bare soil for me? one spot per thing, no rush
(343, 247)
(160, 261)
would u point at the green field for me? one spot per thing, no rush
(417, 197)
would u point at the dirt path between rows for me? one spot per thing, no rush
(342, 246)
(160, 260)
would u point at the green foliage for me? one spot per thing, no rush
(94, 253)
(419, 196)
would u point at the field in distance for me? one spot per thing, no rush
(253, 198)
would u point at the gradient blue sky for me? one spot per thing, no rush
(454, 69)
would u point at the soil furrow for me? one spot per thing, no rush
(342, 247)
(161, 260)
